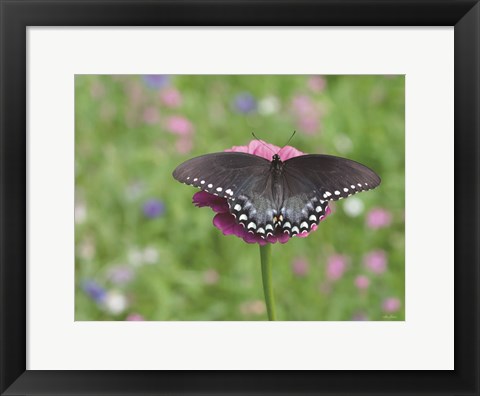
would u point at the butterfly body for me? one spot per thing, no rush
(267, 197)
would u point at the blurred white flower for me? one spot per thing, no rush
(86, 249)
(150, 255)
(134, 190)
(115, 302)
(135, 257)
(269, 105)
(353, 206)
(343, 144)
(80, 212)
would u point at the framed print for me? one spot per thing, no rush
(113, 282)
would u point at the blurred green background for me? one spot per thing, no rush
(144, 252)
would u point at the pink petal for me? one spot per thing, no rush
(289, 152)
(225, 222)
(218, 204)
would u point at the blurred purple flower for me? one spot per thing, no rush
(156, 81)
(245, 103)
(179, 125)
(317, 83)
(336, 266)
(376, 261)
(153, 208)
(120, 274)
(378, 218)
(362, 282)
(94, 291)
(171, 97)
(135, 317)
(391, 305)
(151, 115)
(300, 267)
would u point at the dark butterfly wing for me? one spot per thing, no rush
(223, 174)
(310, 181)
(244, 179)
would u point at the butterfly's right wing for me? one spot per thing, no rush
(311, 181)
(244, 179)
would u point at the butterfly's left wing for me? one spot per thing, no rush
(310, 181)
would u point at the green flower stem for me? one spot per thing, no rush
(266, 259)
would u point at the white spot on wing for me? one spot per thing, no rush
(219, 189)
(210, 185)
(243, 217)
(312, 218)
(252, 225)
(337, 192)
(318, 209)
(345, 189)
(237, 207)
(304, 225)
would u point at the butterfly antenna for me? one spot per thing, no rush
(253, 134)
(291, 137)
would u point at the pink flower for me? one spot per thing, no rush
(376, 261)
(362, 282)
(170, 97)
(336, 266)
(317, 83)
(135, 317)
(306, 113)
(184, 144)
(378, 218)
(300, 267)
(391, 305)
(225, 221)
(151, 115)
(179, 126)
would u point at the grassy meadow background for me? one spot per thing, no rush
(144, 252)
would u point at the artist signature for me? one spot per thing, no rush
(389, 317)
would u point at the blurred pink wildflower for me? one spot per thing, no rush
(135, 317)
(378, 218)
(336, 266)
(151, 115)
(362, 282)
(317, 83)
(300, 267)
(376, 261)
(179, 125)
(391, 305)
(225, 221)
(184, 144)
(171, 97)
(306, 113)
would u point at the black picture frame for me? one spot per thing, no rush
(17, 15)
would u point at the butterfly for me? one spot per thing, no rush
(266, 196)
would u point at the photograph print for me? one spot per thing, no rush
(239, 197)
